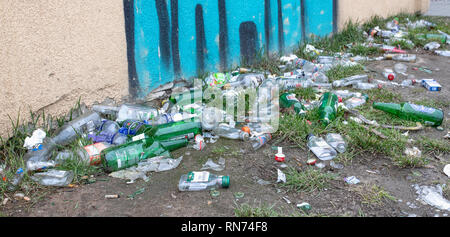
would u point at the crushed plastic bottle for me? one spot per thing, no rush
(170, 118)
(320, 148)
(400, 68)
(445, 53)
(198, 181)
(356, 101)
(336, 141)
(251, 80)
(432, 46)
(344, 94)
(350, 80)
(58, 178)
(366, 86)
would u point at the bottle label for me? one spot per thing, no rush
(423, 109)
(138, 137)
(292, 97)
(94, 153)
(198, 177)
(131, 127)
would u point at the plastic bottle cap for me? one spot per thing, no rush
(380, 86)
(391, 77)
(339, 99)
(225, 181)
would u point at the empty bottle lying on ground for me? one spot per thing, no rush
(289, 100)
(58, 178)
(128, 111)
(129, 154)
(428, 116)
(197, 181)
(230, 133)
(251, 80)
(259, 141)
(65, 135)
(328, 108)
(320, 148)
(350, 80)
(336, 141)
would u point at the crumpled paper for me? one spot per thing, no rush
(281, 176)
(36, 139)
(155, 164)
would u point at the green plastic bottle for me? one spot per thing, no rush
(436, 37)
(189, 97)
(288, 100)
(129, 154)
(328, 107)
(419, 113)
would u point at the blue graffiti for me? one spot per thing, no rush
(173, 39)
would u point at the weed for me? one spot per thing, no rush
(245, 210)
(308, 180)
(372, 195)
(339, 72)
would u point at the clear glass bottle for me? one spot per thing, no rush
(356, 101)
(336, 141)
(197, 181)
(320, 148)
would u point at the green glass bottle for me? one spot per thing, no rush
(328, 107)
(288, 100)
(419, 113)
(129, 154)
(435, 37)
(175, 130)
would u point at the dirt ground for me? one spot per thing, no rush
(245, 167)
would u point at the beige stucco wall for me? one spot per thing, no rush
(361, 10)
(53, 52)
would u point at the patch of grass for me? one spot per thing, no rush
(402, 44)
(219, 151)
(364, 51)
(404, 161)
(372, 195)
(305, 93)
(308, 180)
(347, 157)
(446, 190)
(430, 145)
(245, 210)
(339, 72)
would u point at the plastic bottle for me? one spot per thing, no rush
(54, 178)
(14, 185)
(432, 46)
(69, 132)
(346, 94)
(408, 82)
(134, 127)
(389, 74)
(40, 165)
(48, 146)
(320, 148)
(294, 83)
(111, 138)
(445, 53)
(328, 107)
(197, 181)
(318, 77)
(231, 133)
(189, 97)
(351, 80)
(259, 141)
(356, 101)
(288, 100)
(420, 113)
(128, 111)
(437, 37)
(336, 141)
(251, 80)
(365, 86)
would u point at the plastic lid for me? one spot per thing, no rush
(225, 181)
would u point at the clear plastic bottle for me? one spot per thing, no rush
(408, 82)
(389, 74)
(251, 80)
(404, 57)
(294, 83)
(344, 94)
(111, 138)
(70, 131)
(351, 80)
(336, 141)
(198, 181)
(230, 133)
(108, 126)
(432, 46)
(54, 178)
(356, 101)
(172, 117)
(320, 148)
(400, 68)
(318, 77)
(259, 141)
(365, 86)
(128, 111)
(445, 53)
(14, 185)
(40, 165)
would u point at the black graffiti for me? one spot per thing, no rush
(223, 36)
(200, 39)
(164, 24)
(267, 23)
(133, 83)
(248, 36)
(175, 47)
(280, 29)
